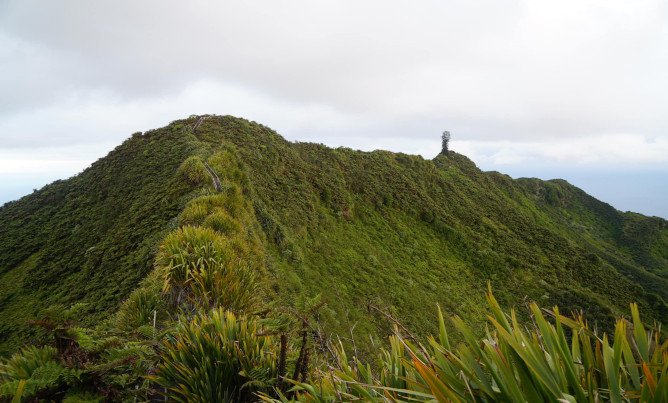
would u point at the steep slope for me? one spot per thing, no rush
(380, 235)
(640, 239)
(90, 238)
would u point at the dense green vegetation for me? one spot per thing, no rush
(511, 363)
(220, 356)
(184, 241)
(90, 238)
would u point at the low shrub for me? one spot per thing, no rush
(217, 357)
(194, 171)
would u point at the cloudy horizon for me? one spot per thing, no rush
(571, 89)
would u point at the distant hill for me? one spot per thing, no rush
(379, 234)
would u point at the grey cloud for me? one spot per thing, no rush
(487, 70)
(524, 86)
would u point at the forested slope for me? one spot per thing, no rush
(90, 238)
(380, 235)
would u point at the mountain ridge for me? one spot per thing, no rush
(343, 223)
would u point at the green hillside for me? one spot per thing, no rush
(90, 238)
(376, 233)
(213, 260)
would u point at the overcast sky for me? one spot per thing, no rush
(574, 89)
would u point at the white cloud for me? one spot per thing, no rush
(55, 162)
(596, 150)
(516, 82)
(492, 69)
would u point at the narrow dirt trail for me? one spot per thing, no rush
(198, 123)
(214, 177)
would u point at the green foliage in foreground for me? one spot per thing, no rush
(554, 359)
(35, 371)
(218, 357)
(223, 357)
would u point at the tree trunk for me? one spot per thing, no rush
(281, 362)
(300, 360)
